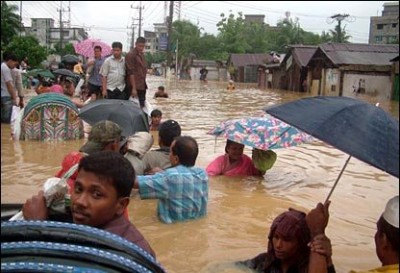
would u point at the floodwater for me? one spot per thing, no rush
(240, 210)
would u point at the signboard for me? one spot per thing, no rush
(163, 42)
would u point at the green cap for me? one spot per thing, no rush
(103, 132)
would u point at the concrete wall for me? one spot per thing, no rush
(331, 82)
(314, 88)
(375, 85)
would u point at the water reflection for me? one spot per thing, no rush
(240, 210)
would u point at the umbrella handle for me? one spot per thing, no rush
(337, 179)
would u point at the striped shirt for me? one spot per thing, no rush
(182, 192)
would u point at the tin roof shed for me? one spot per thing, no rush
(359, 54)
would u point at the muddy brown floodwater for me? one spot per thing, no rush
(240, 210)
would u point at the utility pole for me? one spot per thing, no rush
(61, 28)
(169, 30)
(339, 18)
(133, 35)
(69, 14)
(20, 18)
(140, 23)
(165, 11)
(140, 18)
(178, 5)
(176, 59)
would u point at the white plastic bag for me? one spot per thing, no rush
(55, 192)
(15, 124)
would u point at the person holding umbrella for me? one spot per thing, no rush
(235, 162)
(386, 237)
(288, 249)
(93, 72)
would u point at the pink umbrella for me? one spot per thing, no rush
(86, 48)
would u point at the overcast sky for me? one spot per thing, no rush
(112, 20)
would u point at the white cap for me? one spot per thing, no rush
(391, 213)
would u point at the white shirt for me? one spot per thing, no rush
(6, 76)
(114, 70)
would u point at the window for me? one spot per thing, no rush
(333, 88)
(378, 38)
(379, 26)
(394, 25)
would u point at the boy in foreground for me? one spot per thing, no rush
(101, 194)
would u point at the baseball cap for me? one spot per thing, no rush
(103, 132)
(391, 213)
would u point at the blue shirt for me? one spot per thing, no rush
(182, 192)
(95, 77)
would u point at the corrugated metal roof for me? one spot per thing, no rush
(360, 47)
(239, 60)
(360, 54)
(303, 54)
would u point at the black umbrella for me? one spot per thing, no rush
(358, 128)
(64, 72)
(70, 59)
(125, 113)
(42, 72)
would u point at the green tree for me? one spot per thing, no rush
(232, 34)
(10, 23)
(290, 33)
(27, 46)
(339, 34)
(67, 49)
(258, 36)
(209, 48)
(325, 37)
(310, 38)
(188, 35)
(157, 57)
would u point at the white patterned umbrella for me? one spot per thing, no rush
(263, 133)
(86, 48)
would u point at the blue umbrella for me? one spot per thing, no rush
(358, 128)
(263, 133)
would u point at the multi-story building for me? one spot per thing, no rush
(156, 40)
(385, 29)
(49, 35)
(254, 18)
(151, 42)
